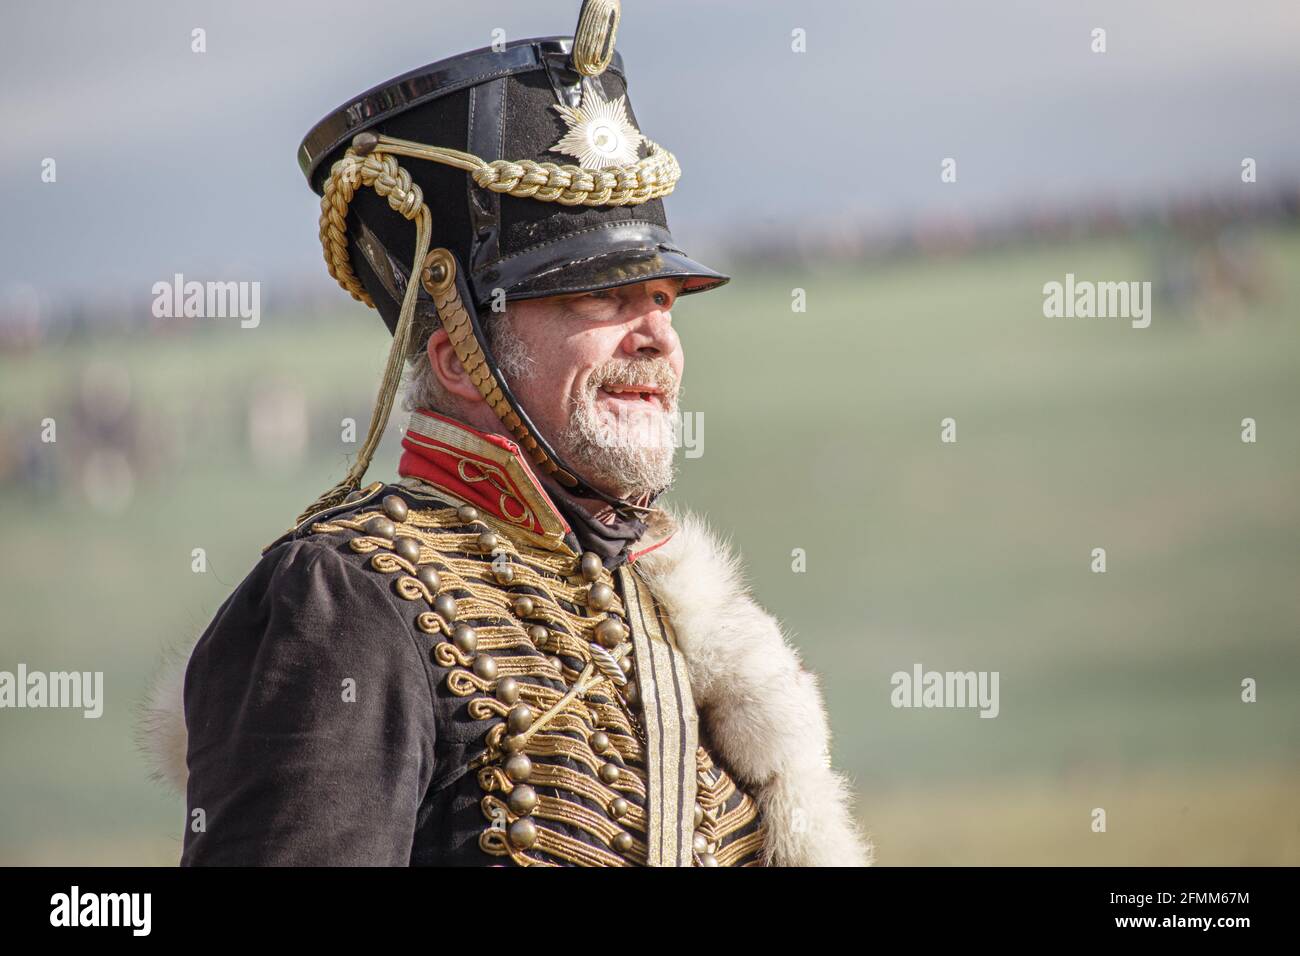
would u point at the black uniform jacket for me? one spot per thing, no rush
(366, 696)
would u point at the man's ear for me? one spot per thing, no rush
(447, 367)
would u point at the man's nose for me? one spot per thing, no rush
(652, 332)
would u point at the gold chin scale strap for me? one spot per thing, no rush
(439, 280)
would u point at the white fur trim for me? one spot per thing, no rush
(161, 727)
(760, 709)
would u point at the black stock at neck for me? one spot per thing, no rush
(598, 527)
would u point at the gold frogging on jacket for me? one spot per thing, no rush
(599, 766)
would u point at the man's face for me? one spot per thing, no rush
(599, 374)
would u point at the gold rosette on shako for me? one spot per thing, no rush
(502, 174)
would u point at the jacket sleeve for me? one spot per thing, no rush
(310, 719)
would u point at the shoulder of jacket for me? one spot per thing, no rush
(377, 496)
(413, 544)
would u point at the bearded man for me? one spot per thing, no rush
(512, 654)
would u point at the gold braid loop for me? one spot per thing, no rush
(383, 174)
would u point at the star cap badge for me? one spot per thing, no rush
(599, 133)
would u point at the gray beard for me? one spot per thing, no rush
(631, 454)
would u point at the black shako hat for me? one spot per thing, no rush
(503, 105)
(500, 174)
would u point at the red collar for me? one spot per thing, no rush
(487, 471)
(480, 469)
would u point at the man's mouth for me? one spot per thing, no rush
(642, 395)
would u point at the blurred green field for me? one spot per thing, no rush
(821, 432)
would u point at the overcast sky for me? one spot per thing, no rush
(170, 161)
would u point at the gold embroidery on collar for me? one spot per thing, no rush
(514, 473)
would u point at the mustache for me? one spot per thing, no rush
(657, 372)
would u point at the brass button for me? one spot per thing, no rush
(485, 667)
(524, 606)
(519, 719)
(539, 635)
(508, 690)
(432, 276)
(364, 143)
(518, 767)
(618, 808)
(395, 507)
(708, 859)
(487, 541)
(699, 815)
(522, 800)
(610, 633)
(504, 572)
(609, 772)
(600, 742)
(445, 606)
(465, 638)
(523, 832)
(700, 842)
(591, 566)
(428, 576)
(600, 597)
(381, 527)
(467, 513)
(622, 841)
(408, 548)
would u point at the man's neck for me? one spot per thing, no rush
(596, 525)
(594, 507)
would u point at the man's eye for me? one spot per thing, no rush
(601, 294)
(661, 298)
